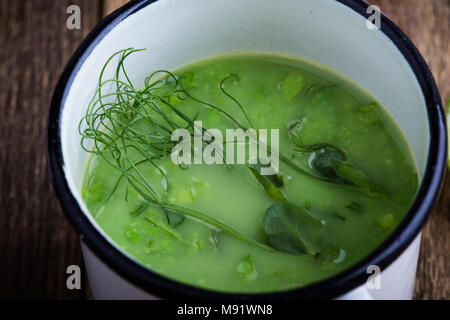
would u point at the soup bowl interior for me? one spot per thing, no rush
(177, 32)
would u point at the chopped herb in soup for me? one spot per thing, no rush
(343, 180)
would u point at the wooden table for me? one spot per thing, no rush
(36, 241)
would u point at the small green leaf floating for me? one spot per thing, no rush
(332, 162)
(292, 229)
(174, 219)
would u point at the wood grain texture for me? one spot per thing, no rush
(111, 5)
(36, 242)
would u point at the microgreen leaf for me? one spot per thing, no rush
(292, 229)
(109, 130)
(332, 162)
(174, 219)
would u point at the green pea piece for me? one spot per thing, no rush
(246, 269)
(369, 114)
(387, 222)
(292, 85)
(93, 194)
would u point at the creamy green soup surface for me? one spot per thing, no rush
(330, 113)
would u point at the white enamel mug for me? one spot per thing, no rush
(332, 32)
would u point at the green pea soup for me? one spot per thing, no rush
(346, 175)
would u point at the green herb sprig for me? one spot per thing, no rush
(107, 130)
(128, 127)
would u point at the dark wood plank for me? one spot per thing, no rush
(36, 241)
(111, 5)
